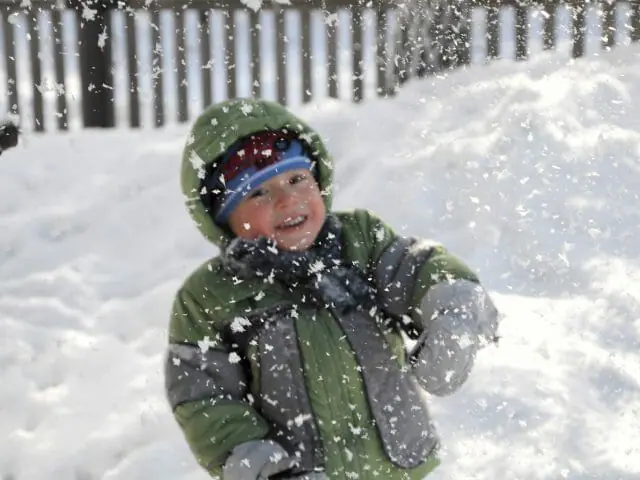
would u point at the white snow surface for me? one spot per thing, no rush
(529, 171)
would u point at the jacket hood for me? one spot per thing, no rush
(219, 127)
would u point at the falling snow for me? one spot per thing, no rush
(529, 171)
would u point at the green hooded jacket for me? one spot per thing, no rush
(218, 397)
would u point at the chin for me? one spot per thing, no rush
(297, 246)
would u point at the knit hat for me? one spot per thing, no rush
(249, 163)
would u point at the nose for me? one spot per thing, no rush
(285, 196)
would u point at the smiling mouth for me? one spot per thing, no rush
(292, 222)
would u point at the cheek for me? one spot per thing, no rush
(250, 221)
(317, 205)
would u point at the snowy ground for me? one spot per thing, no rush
(529, 171)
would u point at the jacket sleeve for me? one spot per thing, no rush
(405, 268)
(440, 302)
(207, 387)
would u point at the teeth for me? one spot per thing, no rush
(292, 222)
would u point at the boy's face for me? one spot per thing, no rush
(287, 208)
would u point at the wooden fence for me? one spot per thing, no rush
(409, 39)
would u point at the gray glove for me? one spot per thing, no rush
(443, 358)
(465, 300)
(258, 460)
(459, 319)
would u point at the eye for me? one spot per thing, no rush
(257, 193)
(297, 178)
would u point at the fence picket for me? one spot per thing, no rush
(578, 28)
(281, 54)
(157, 70)
(356, 52)
(635, 20)
(36, 72)
(464, 42)
(422, 35)
(230, 53)
(549, 29)
(132, 68)
(331, 28)
(179, 19)
(414, 44)
(10, 62)
(206, 58)
(382, 53)
(608, 24)
(493, 33)
(522, 31)
(402, 50)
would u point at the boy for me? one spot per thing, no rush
(286, 356)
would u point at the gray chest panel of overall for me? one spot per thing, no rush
(400, 415)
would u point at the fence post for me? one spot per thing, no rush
(96, 76)
(493, 32)
(522, 30)
(635, 20)
(461, 11)
(608, 24)
(455, 39)
(549, 24)
(8, 38)
(579, 27)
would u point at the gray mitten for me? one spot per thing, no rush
(465, 300)
(443, 358)
(258, 460)
(459, 319)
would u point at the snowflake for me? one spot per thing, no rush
(300, 419)
(197, 163)
(316, 266)
(379, 233)
(88, 13)
(234, 358)
(253, 4)
(349, 454)
(276, 457)
(307, 137)
(331, 19)
(205, 344)
(246, 108)
(239, 324)
(102, 38)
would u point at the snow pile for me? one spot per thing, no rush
(529, 171)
